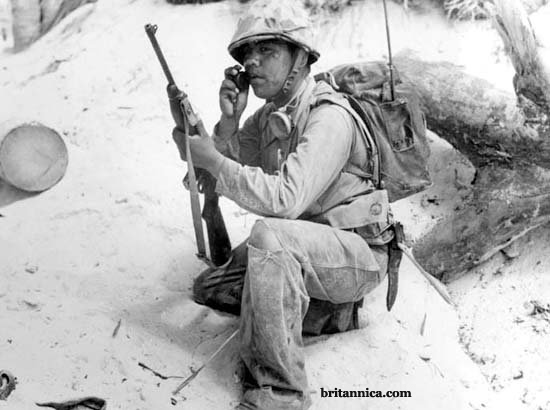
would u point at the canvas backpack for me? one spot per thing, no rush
(397, 127)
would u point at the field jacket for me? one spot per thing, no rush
(316, 173)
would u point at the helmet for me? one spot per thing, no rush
(268, 19)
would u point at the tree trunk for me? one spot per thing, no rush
(506, 138)
(26, 22)
(33, 18)
(54, 11)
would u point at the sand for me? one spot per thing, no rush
(111, 246)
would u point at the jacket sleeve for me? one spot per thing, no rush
(244, 145)
(323, 150)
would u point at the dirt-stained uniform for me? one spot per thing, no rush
(319, 208)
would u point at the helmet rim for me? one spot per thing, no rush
(235, 47)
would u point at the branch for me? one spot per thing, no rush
(532, 79)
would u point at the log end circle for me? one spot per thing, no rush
(33, 157)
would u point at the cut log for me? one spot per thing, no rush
(505, 136)
(511, 153)
(484, 123)
(33, 157)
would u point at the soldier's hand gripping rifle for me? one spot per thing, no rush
(189, 122)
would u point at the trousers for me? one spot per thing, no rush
(289, 263)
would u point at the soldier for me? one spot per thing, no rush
(301, 162)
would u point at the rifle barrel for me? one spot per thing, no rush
(151, 29)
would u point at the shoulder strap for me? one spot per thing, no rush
(326, 93)
(360, 115)
(301, 113)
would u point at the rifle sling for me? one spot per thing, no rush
(195, 201)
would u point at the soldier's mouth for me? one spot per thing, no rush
(255, 79)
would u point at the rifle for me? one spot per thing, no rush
(189, 122)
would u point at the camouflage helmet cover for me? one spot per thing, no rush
(268, 19)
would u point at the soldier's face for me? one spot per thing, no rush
(268, 64)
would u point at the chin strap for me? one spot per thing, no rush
(300, 61)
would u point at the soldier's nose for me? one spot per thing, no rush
(251, 59)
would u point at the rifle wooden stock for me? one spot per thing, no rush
(218, 239)
(187, 120)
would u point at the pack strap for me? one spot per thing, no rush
(358, 113)
(361, 116)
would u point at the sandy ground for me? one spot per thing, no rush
(113, 242)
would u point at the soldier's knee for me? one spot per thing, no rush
(262, 236)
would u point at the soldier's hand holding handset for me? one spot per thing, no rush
(232, 103)
(233, 100)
